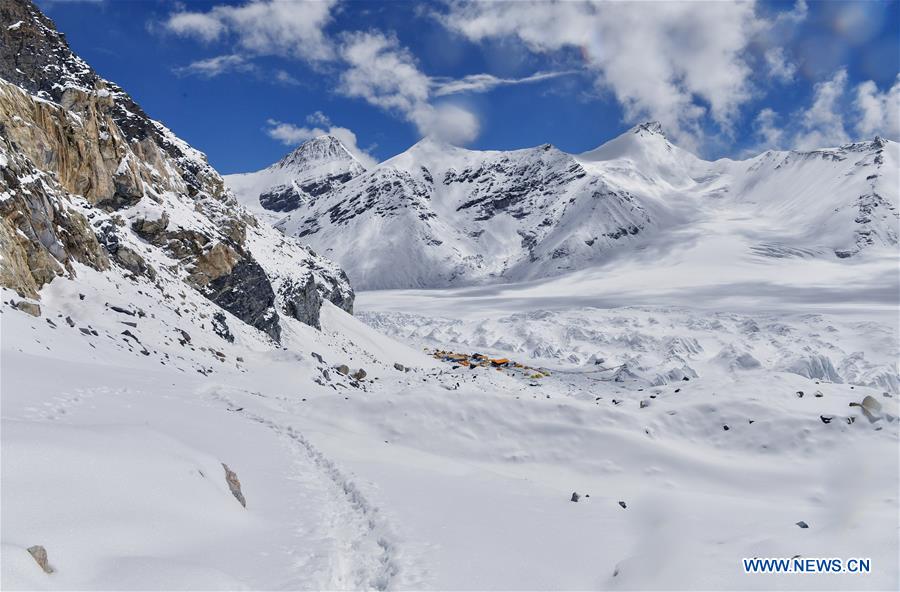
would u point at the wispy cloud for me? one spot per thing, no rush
(216, 66)
(385, 74)
(480, 83)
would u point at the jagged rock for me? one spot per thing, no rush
(151, 229)
(343, 369)
(220, 328)
(318, 357)
(217, 262)
(247, 294)
(645, 403)
(301, 301)
(31, 308)
(359, 374)
(575, 497)
(623, 504)
(133, 262)
(40, 235)
(40, 557)
(802, 524)
(400, 367)
(234, 484)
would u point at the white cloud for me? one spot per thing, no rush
(285, 78)
(767, 130)
(822, 125)
(779, 67)
(264, 27)
(832, 112)
(386, 75)
(879, 112)
(204, 26)
(212, 67)
(479, 83)
(447, 122)
(676, 62)
(292, 135)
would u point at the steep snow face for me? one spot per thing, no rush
(314, 168)
(438, 216)
(831, 202)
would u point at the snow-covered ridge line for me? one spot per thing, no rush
(438, 215)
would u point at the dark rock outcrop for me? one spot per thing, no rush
(247, 294)
(301, 301)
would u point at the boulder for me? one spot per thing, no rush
(32, 308)
(40, 556)
(151, 229)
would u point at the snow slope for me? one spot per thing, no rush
(437, 477)
(437, 215)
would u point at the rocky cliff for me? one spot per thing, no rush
(86, 177)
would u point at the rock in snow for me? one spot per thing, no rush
(234, 484)
(40, 556)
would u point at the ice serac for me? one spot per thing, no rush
(86, 177)
(311, 170)
(438, 215)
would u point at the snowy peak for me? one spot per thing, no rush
(322, 149)
(310, 171)
(649, 128)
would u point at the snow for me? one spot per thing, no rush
(705, 371)
(438, 215)
(413, 482)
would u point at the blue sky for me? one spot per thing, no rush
(244, 81)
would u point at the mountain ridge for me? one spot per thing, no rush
(437, 215)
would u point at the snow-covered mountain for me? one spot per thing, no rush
(88, 178)
(186, 403)
(314, 168)
(438, 215)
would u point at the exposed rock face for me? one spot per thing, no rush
(246, 293)
(281, 198)
(301, 302)
(86, 176)
(40, 235)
